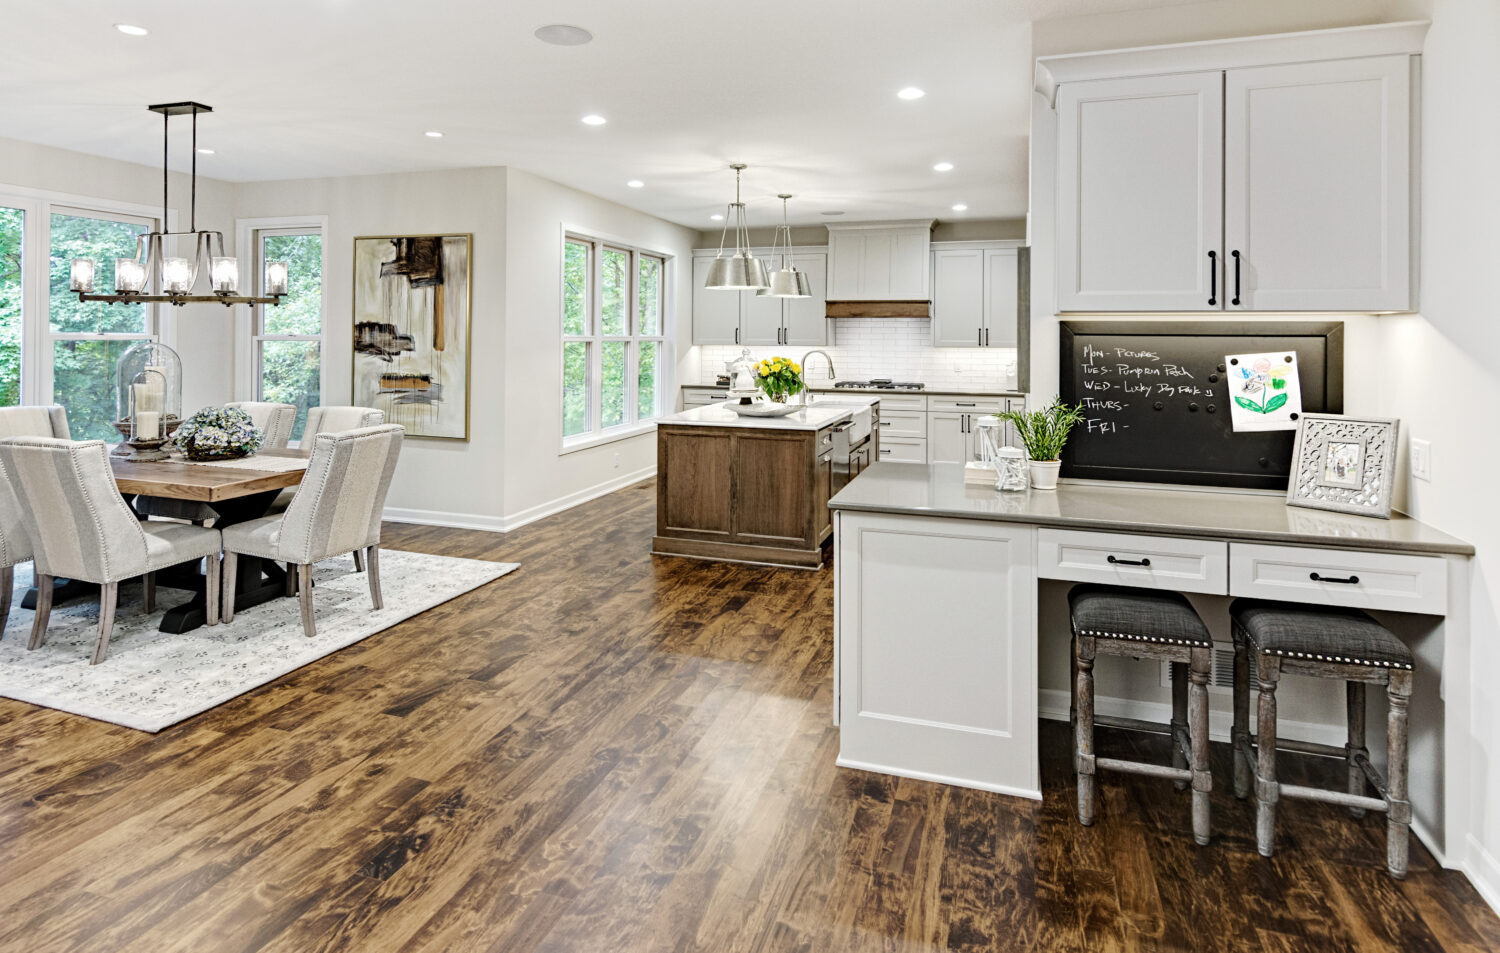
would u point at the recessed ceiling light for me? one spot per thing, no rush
(594, 119)
(943, 167)
(636, 184)
(561, 34)
(960, 207)
(130, 30)
(911, 92)
(205, 152)
(717, 218)
(433, 134)
(830, 213)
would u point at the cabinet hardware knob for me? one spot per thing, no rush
(1213, 277)
(1236, 298)
(1350, 581)
(1130, 562)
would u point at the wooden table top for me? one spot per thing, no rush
(204, 483)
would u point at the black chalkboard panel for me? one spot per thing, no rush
(1156, 402)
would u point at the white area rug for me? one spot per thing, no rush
(152, 679)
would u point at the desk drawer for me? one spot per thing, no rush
(1184, 565)
(902, 449)
(902, 423)
(1394, 581)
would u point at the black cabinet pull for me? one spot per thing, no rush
(979, 337)
(1236, 298)
(1213, 277)
(1351, 581)
(986, 337)
(1130, 562)
(736, 335)
(884, 450)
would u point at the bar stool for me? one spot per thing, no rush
(1322, 642)
(1143, 623)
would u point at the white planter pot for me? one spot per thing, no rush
(1044, 474)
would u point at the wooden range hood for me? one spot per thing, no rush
(878, 309)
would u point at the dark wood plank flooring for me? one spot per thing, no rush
(606, 752)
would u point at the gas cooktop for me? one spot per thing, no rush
(880, 383)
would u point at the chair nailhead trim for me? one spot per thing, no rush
(1242, 632)
(1095, 633)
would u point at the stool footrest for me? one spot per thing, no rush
(1141, 767)
(1372, 773)
(1340, 798)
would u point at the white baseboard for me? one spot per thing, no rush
(1027, 793)
(1054, 704)
(1483, 872)
(504, 524)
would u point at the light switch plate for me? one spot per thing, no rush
(1421, 460)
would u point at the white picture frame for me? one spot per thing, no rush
(1345, 464)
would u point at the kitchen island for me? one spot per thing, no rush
(756, 489)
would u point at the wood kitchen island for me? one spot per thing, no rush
(756, 489)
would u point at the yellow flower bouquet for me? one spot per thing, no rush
(779, 377)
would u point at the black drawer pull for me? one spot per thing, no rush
(1236, 299)
(1213, 277)
(1130, 562)
(884, 450)
(1351, 581)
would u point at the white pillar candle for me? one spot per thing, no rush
(147, 425)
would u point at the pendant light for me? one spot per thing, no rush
(743, 272)
(786, 281)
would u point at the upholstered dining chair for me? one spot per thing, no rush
(336, 510)
(37, 421)
(275, 420)
(330, 420)
(81, 528)
(15, 544)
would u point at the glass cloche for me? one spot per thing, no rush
(148, 398)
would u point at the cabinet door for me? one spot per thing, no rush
(958, 303)
(947, 438)
(1001, 283)
(846, 256)
(804, 318)
(910, 277)
(1140, 193)
(1317, 186)
(761, 323)
(716, 314)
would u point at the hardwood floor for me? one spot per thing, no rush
(606, 752)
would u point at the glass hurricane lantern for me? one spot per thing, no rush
(148, 400)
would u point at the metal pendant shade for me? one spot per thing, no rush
(786, 281)
(743, 271)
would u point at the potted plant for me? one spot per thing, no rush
(1044, 433)
(779, 377)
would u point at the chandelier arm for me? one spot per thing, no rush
(728, 211)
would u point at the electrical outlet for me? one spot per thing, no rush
(617, 459)
(1421, 460)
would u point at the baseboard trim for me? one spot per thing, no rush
(938, 778)
(489, 524)
(504, 524)
(1483, 872)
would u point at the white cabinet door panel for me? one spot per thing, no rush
(804, 318)
(1001, 280)
(846, 256)
(761, 321)
(716, 314)
(954, 702)
(1317, 185)
(910, 278)
(903, 449)
(1139, 192)
(947, 441)
(958, 297)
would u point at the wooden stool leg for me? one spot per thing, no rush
(1239, 736)
(1083, 744)
(109, 597)
(1267, 791)
(43, 611)
(1203, 781)
(1398, 808)
(1355, 696)
(1179, 717)
(7, 583)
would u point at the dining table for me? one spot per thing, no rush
(236, 491)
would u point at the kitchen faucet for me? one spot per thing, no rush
(807, 396)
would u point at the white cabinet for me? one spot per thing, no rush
(956, 702)
(948, 438)
(1254, 188)
(1317, 186)
(743, 317)
(1140, 193)
(879, 261)
(975, 296)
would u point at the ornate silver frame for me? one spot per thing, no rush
(1308, 485)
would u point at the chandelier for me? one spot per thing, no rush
(177, 276)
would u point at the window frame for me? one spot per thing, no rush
(249, 236)
(594, 340)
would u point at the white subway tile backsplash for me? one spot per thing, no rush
(898, 348)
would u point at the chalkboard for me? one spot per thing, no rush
(1155, 397)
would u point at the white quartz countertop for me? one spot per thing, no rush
(931, 390)
(815, 417)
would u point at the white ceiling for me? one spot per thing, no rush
(801, 90)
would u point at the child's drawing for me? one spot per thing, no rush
(1264, 391)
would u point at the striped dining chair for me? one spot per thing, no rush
(15, 544)
(337, 510)
(81, 528)
(36, 421)
(330, 420)
(275, 420)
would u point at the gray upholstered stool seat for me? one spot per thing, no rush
(1324, 642)
(1144, 623)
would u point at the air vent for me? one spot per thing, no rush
(1221, 678)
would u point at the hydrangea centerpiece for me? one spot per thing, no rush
(218, 433)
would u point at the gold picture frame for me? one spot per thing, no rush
(410, 354)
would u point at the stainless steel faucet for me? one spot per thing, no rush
(807, 396)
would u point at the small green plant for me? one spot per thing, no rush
(1044, 432)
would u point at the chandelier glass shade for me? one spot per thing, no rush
(176, 276)
(743, 271)
(786, 281)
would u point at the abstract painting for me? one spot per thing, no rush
(411, 331)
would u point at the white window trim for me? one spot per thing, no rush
(666, 354)
(36, 325)
(246, 373)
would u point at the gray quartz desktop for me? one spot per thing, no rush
(938, 489)
(930, 391)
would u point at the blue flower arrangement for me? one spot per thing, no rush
(218, 433)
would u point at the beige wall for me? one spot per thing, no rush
(980, 229)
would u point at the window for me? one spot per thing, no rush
(287, 340)
(613, 330)
(12, 237)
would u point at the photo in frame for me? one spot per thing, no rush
(411, 331)
(1344, 464)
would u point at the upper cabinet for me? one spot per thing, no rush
(978, 294)
(879, 261)
(743, 317)
(1239, 176)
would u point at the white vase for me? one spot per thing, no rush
(1044, 474)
